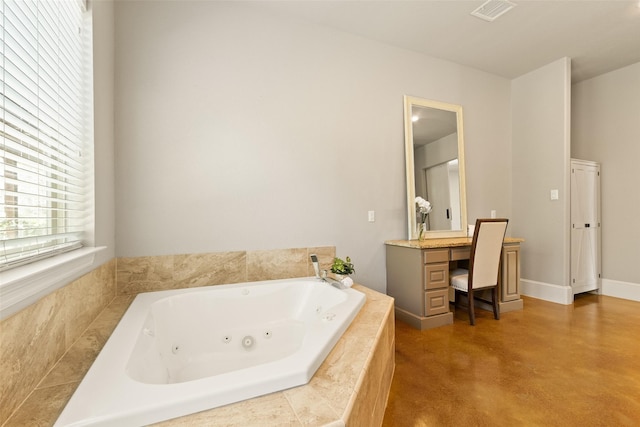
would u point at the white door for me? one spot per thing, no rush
(437, 179)
(585, 226)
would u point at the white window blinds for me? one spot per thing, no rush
(42, 196)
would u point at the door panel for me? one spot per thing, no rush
(585, 227)
(437, 178)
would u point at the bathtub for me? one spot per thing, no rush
(183, 351)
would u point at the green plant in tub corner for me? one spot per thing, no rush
(342, 267)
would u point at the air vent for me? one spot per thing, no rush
(492, 9)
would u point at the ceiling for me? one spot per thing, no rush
(431, 124)
(599, 36)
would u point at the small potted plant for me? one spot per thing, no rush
(342, 268)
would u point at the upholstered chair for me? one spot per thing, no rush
(484, 264)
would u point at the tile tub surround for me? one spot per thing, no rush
(351, 387)
(34, 339)
(157, 273)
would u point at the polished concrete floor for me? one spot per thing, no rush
(546, 365)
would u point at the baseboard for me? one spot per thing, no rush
(618, 289)
(546, 291)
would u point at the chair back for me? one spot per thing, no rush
(486, 247)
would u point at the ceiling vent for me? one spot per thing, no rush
(492, 9)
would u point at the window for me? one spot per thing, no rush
(44, 150)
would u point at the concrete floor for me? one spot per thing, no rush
(547, 365)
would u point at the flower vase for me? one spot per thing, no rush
(422, 228)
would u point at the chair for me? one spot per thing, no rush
(484, 264)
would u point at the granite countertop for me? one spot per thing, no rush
(327, 400)
(446, 242)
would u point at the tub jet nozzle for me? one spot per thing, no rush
(247, 342)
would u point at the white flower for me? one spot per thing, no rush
(423, 205)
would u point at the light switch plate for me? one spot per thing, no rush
(372, 216)
(554, 194)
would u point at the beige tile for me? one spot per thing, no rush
(270, 410)
(106, 274)
(210, 269)
(42, 407)
(30, 343)
(376, 387)
(310, 407)
(107, 321)
(85, 298)
(362, 411)
(367, 326)
(385, 385)
(77, 360)
(337, 377)
(369, 405)
(277, 264)
(144, 274)
(391, 329)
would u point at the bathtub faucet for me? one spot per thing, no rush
(323, 277)
(316, 266)
(333, 282)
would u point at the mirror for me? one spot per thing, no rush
(434, 148)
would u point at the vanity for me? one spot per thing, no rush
(418, 278)
(418, 268)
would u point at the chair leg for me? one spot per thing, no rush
(494, 300)
(472, 315)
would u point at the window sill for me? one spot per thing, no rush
(24, 285)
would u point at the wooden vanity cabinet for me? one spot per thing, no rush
(510, 273)
(436, 282)
(418, 278)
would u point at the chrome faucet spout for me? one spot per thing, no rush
(333, 282)
(323, 276)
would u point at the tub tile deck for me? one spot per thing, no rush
(339, 386)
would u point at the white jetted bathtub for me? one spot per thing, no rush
(182, 351)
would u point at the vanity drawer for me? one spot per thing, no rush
(436, 302)
(436, 276)
(435, 255)
(460, 253)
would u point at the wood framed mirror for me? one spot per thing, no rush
(434, 148)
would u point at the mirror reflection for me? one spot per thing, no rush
(435, 167)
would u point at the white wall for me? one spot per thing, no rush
(606, 129)
(541, 135)
(240, 129)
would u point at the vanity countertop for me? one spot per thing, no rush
(447, 242)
